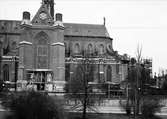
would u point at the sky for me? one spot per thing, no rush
(129, 22)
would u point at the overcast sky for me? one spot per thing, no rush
(129, 22)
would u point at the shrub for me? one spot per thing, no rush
(149, 107)
(33, 105)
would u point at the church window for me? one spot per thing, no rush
(109, 73)
(90, 49)
(68, 73)
(76, 48)
(65, 44)
(42, 52)
(67, 51)
(6, 72)
(101, 49)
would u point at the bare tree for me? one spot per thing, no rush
(139, 54)
(134, 83)
(138, 77)
(78, 87)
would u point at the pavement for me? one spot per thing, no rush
(119, 110)
(105, 109)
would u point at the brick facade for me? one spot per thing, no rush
(64, 45)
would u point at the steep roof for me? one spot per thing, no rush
(45, 21)
(71, 29)
(96, 30)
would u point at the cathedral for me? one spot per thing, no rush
(44, 51)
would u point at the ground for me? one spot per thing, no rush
(91, 116)
(107, 116)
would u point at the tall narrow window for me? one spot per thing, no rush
(42, 51)
(101, 49)
(90, 49)
(109, 73)
(76, 48)
(6, 72)
(67, 50)
(67, 72)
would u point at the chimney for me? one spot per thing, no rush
(26, 18)
(59, 17)
(59, 20)
(104, 21)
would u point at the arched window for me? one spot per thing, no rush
(68, 73)
(67, 50)
(101, 49)
(109, 73)
(90, 49)
(6, 72)
(14, 45)
(42, 51)
(77, 48)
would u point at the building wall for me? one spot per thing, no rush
(45, 44)
(11, 33)
(118, 70)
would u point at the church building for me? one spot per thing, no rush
(44, 51)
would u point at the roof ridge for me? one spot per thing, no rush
(84, 24)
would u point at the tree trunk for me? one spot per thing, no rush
(85, 102)
(84, 110)
(85, 94)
